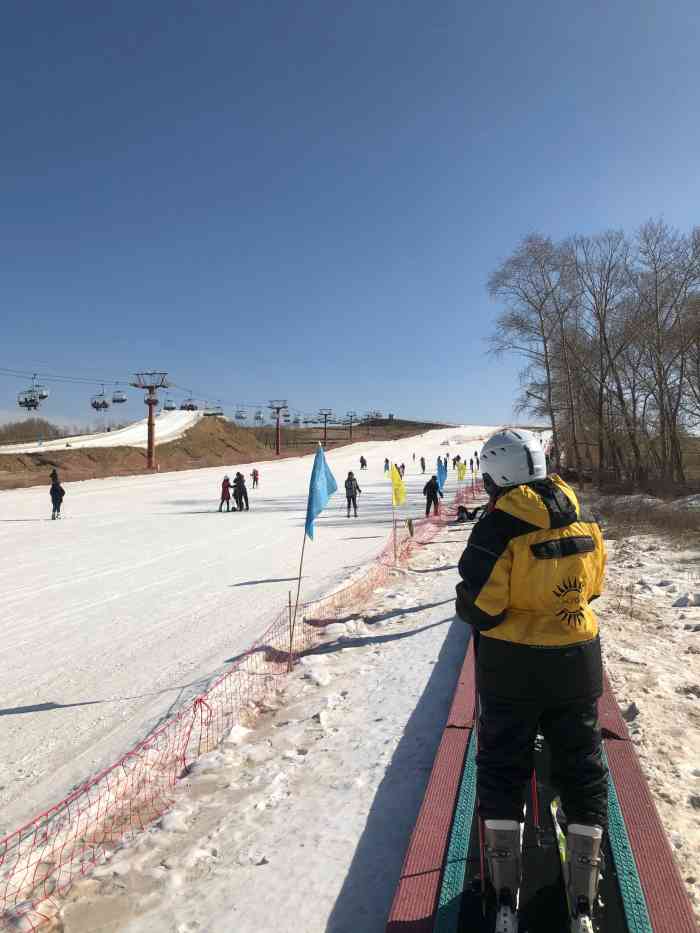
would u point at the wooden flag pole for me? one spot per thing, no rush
(293, 617)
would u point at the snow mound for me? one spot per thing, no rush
(170, 425)
(691, 503)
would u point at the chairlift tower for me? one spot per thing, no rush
(352, 416)
(325, 413)
(151, 382)
(277, 406)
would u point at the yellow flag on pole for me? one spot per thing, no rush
(398, 489)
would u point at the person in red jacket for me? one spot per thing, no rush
(225, 494)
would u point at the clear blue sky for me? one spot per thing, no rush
(306, 199)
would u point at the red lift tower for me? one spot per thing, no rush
(151, 382)
(277, 407)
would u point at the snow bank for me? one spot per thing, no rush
(170, 425)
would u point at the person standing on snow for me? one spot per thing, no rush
(57, 492)
(532, 565)
(387, 465)
(255, 476)
(240, 493)
(422, 464)
(471, 464)
(431, 491)
(351, 492)
(363, 463)
(225, 494)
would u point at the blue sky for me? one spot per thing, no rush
(305, 200)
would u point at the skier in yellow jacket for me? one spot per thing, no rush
(532, 565)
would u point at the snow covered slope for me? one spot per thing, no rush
(244, 848)
(170, 425)
(128, 605)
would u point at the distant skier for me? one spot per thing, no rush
(422, 464)
(414, 457)
(431, 491)
(471, 464)
(240, 493)
(255, 476)
(54, 475)
(57, 492)
(387, 465)
(225, 494)
(351, 492)
(402, 469)
(363, 463)
(532, 565)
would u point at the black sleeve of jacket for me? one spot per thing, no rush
(488, 541)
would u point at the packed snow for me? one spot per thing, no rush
(170, 425)
(128, 606)
(301, 822)
(650, 623)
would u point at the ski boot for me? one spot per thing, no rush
(503, 846)
(583, 860)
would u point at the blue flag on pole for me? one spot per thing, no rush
(441, 474)
(321, 488)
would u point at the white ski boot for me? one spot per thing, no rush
(583, 844)
(503, 846)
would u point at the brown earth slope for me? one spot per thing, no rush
(211, 442)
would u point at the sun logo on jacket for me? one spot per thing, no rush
(572, 610)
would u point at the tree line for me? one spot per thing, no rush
(608, 327)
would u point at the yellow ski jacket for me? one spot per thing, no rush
(531, 568)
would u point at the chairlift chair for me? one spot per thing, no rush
(169, 405)
(118, 397)
(100, 402)
(241, 414)
(28, 400)
(189, 404)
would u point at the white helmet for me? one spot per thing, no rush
(512, 457)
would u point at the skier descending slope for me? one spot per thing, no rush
(352, 490)
(531, 567)
(57, 492)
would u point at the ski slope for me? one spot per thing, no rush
(170, 425)
(125, 608)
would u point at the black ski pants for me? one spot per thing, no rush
(507, 731)
(352, 501)
(431, 500)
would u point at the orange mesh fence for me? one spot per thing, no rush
(39, 862)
